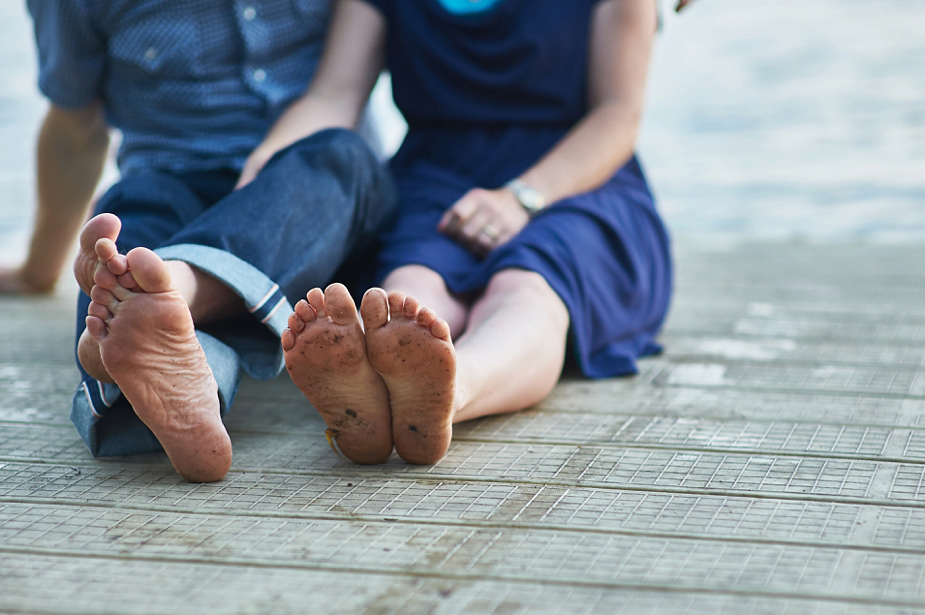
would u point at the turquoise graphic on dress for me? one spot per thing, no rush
(461, 7)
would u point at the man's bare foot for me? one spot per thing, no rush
(149, 347)
(411, 349)
(325, 353)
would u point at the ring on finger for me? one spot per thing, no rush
(490, 232)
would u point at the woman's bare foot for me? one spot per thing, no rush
(325, 354)
(149, 347)
(411, 348)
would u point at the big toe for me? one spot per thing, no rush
(150, 272)
(374, 308)
(339, 304)
(103, 226)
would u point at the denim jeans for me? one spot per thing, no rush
(310, 216)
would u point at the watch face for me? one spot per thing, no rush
(530, 203)
(530, 199)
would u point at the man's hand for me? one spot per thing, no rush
(71, 151)
(252, 166)
(484, 219)
(15, 281)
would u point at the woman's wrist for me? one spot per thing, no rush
(529, 198)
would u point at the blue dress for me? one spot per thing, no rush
(485, 95)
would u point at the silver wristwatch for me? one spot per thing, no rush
(529, 199)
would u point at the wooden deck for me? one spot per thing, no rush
(771, 461)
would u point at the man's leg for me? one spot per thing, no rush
(316, 205)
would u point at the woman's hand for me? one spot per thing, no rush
(483, 219)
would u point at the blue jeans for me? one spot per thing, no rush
(312, 215)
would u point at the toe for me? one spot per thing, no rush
(118, 264)
(96, 328)
(104, 277)
(103, 225)
(339, 304)
(106, 252)
(295, 324)
(374, 309)
(150, 272)
(304, 314)
(287, 339)
(127, 280)
(440, 329)
(315, 299)
(104, 297)
(411, 308)
(396, 303)
(99, 310)
(425, 317)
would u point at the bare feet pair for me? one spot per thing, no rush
(393, 385)
(390, 386)
(140, 335)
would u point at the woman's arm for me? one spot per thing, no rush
(353, 57)
(622, 32)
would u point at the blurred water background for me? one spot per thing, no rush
(794, 120)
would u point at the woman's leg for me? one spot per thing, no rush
(426, 285)
(512, 353)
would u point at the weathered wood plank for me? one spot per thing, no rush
(115, 585)
(449, 503)
(547, 557)
(638, 468)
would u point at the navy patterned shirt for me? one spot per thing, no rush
(192, 84)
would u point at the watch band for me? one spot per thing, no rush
(531, 200)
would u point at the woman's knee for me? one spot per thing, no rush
(412, 279)
(528, 286)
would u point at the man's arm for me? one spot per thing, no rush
(353, 57)
(71, 151)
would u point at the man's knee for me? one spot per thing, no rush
(334, 148)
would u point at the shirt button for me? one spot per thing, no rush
(249, 13)
(260, 75)
(150, 54)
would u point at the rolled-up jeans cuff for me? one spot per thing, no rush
(94, 401)
(262, 298)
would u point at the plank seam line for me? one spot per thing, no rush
(695, 449)
(476, 525)
(450, 478)
(742, 452)
(690, 358)
(786, 390)
(446, 576)
(693, 359)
